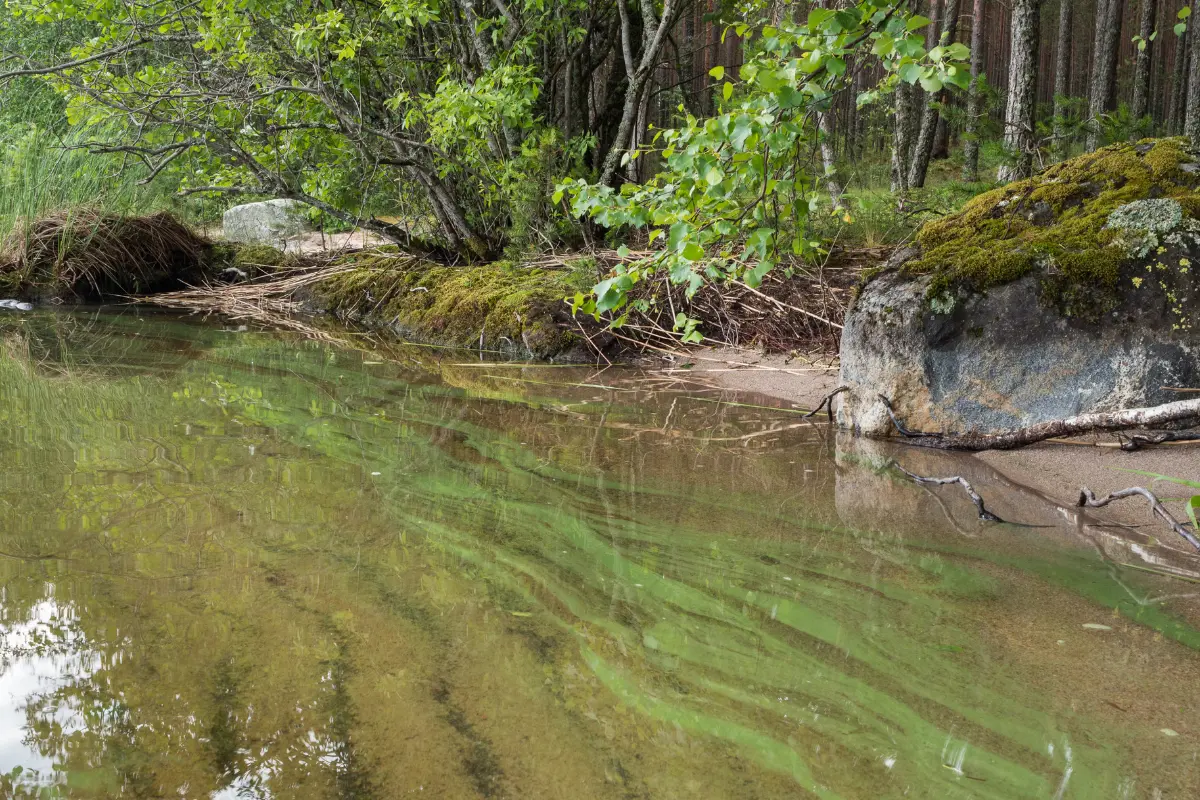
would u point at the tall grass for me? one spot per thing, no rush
(44, 172)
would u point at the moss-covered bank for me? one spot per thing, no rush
(1080, 225)
(499, 306)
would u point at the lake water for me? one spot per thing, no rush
(245, 564)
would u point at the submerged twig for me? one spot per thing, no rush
(984, 514)
(1088, 499)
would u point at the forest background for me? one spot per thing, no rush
(709, 143)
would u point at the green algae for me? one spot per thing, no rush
(1056, 225)
(499, 306)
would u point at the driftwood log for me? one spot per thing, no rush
(1128, 419)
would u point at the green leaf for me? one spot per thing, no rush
(1193, 508)
(1184, 12)
(693, 252)
(717, 72)
(910, 72)
(1180, 28)
(931, 84)
(727, 91)
(916, 21)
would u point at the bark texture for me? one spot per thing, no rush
(1019, 138)
(923, 149)
(1141, 71)
(1191, 123)
(970, 170)
(1104, 66)
(1062, 78)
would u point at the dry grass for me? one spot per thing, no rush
(89, 255)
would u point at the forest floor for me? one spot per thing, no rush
(1056, 470)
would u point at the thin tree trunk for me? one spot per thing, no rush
(825, 135)
(1179, 86)
(1141, 72)
(1062, 79)
(923, 150)
(900, 140)
(654, 33)
(1191, 120)
(970, 170)
(1104, 67)
(1019, 137)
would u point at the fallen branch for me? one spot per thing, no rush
(828, 401)
(984, 514)
(1088, 499)
(1139, 440)
(1149, 417)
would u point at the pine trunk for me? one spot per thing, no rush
(1104, 66)
(1141, 72)
(1179, 86)
(900, 139)
(1019, 137)
(1191, 120)
(1062, 79)
(974, 98)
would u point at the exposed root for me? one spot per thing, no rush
(984, 514)
(827, 402)
(1152, 416)
(1139, 440)
(1088, 500)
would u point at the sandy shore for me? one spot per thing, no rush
(1057, 471)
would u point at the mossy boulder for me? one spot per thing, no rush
(1070, 292)
(500, 306)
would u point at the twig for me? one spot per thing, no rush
(1088, 499)
(1139, 440)
(782, 304)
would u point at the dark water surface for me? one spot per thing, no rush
(246, 564)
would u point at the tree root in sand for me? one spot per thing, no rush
(1181, 410)
(1088, 500)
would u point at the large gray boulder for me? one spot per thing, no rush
(268, 222)
(1069, 293)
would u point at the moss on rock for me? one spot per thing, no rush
(508, 307)
(1057, 224)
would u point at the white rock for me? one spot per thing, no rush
(269, 222)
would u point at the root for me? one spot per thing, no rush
(827, 402)
(1088, 500)
(1149, 417)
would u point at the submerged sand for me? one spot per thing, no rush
(1057, 471)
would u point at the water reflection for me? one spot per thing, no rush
(295, 569)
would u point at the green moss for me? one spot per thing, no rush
(1055, 225)
(252, 259)
(507, 306)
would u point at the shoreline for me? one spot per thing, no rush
(1055, 470)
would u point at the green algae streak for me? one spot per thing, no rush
(242, 564)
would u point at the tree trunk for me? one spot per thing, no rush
(1062, 79)
(1191, 120)
(1178, 104)
(929, 118)
(825, 136)
(1019, 137)
(1141, 72)
(970, 170)
(900, 139)
(1104, 66)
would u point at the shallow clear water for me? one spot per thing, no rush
(247, 564)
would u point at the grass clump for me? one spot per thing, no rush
(1057, 224)
(497, 306)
